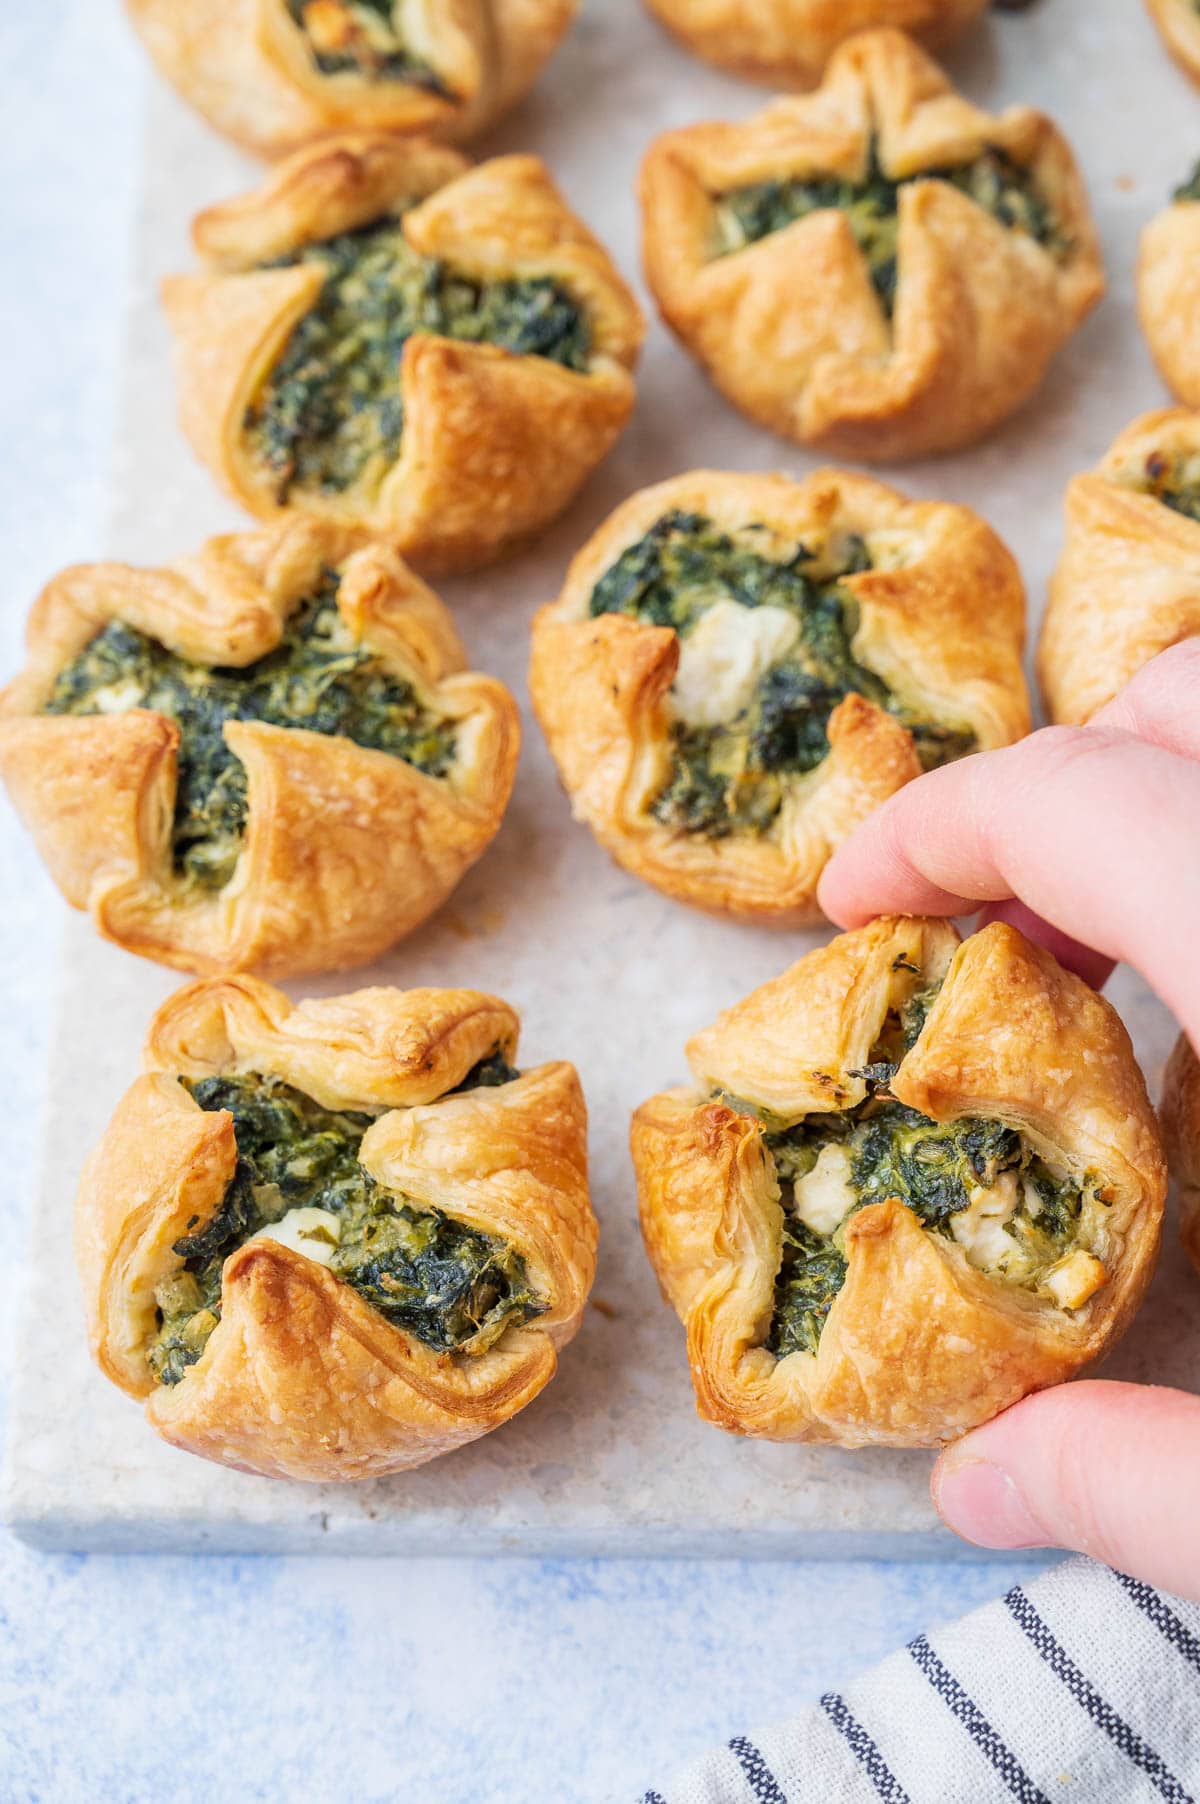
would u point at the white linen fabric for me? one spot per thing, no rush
(1082, 1687)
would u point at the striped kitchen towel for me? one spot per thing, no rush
(1082, 1687)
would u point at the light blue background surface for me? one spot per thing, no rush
(430, 1682)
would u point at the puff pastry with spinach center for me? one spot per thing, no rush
(273, 74)
(267, 756)
(386, 336)
(912, 1181)
(877, 267)
(740, 668)
(338, 1239)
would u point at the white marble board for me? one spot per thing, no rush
(611, 1459)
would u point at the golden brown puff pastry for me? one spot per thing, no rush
(913, 1181)
(789, 42)
(1127, 584)
(267, 756)
(1180, 1112)
(740, 668)
(338, 1239)
(1168, 287)
(1179, 23)
(386, 336)
(274, 74)
(877, 267)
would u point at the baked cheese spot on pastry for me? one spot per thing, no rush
(385, 336)
(337, 1239)
(914, 1180)
(789, 42)
(276, 74)
(879, 267)
(739, 668)
(1127, 585)
(266, 756)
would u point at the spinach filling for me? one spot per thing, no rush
(734, 776)
(362, 37)
(330, 413)
(316, 678)
(994, 181)
(933, 1167)
(451, 1286)
(1172, 478)
(1189, 190)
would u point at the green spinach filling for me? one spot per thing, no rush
(330, 413)
(451, 1286)
(935, 1168)
(734, 776)
(1172, 478)
(362, 37)
(316, 678)
(994, 181)
(1189, 190)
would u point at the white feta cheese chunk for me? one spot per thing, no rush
(313, 1232)
(980, 1229)
(117, 698)
(1074, 1279)
(824, 1197)
(724, 658)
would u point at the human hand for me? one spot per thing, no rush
(1088, 839)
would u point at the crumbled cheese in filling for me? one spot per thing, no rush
(825, 1196)
(1074, 1279)
(313, 1232)
(723, 660)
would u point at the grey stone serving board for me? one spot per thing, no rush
(611, 1459)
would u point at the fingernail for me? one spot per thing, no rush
(981, 1503)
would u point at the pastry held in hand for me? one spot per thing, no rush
(740, 668)
(1168, 286)
(385, 336)
(338, 1239)
(267, 756)
(1127, 584)
(878, 267)
(912, 1181)
(789, 42)
(273, 74)
(1180, 1111)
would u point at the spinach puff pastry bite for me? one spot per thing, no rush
(273, 74)
(878, 267)
(740, 668)
(1127, 585)
(1178, 22)
(913, 1181)
(789, 42)
(338, 1239)
(1180, 1111)
(384, 336)
(1168, 287)
(267, 756)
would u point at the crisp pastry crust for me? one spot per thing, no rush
(1180, 1112)
(250, 69)
(346, 848)
(789, 42)
(919, 1345)
(1127, 585)
(940, 618)
(302, 1378)
(494, 443)
(790, 325)
(1168, 289)
(1179, 24)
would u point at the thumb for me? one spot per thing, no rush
(1111, 1470)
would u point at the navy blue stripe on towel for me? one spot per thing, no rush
(864, 1750)
(1155, 1606)
(1138, 1752)
(975, 1723)
(761, 1779)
